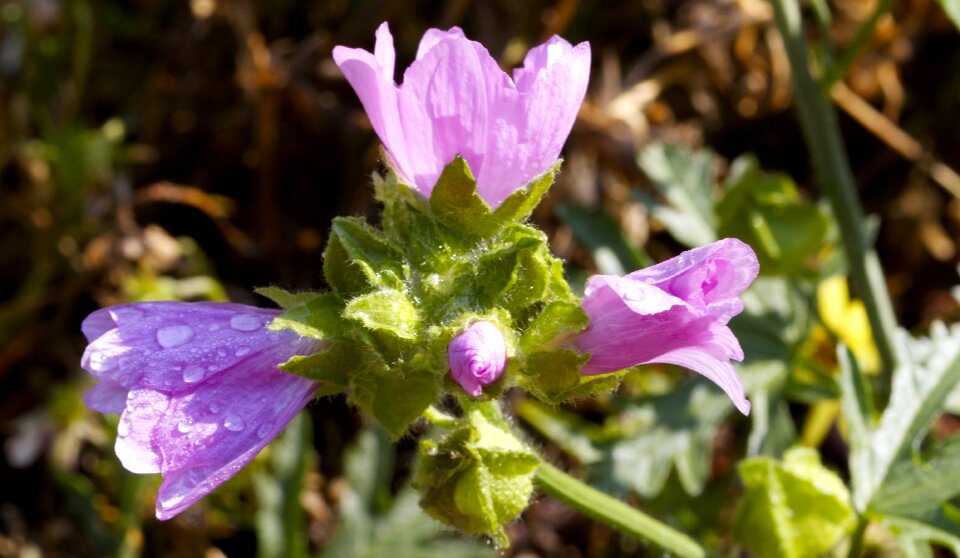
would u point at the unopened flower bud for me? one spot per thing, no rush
(477, 357)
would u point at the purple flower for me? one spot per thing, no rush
(477, 357)
(454, 99)
(675, 312)
(197, 388)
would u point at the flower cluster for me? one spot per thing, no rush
(454, 293)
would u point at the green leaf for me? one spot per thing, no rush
(939, 525)
(284, 298)
(917, 485)
(456, 203)
(359, 258)
(766, 212)
(792, 509)
(660, 433)
(552, 375)
(396, 397)
(520, 204)
(559, 320)
(686, 180)
(388, 311)
(334, 365)
(921, 383)
(516, 275)
(319, 316)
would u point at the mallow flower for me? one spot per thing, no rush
(477, 356)
(675, 312)
(197, 389)
(455, 100)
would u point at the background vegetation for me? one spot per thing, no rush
(195, 149)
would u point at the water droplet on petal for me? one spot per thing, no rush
(124, 427)
(184, 426)
(233, 423)
(173, 336)
(242, 352)
(221, 352)
(212, 367)
(246, 322)
(193, 374)
(264, 430)
(100, 362)
(214, 407)
(213, 327)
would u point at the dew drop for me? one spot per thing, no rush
(174, 336)
(124, 427)
(100, 362)
(221, 352)
(242, 351)
(193, 374)
(245, 322)
(264, 430)
(184, 426)
(233, 423)
(213, 327)
(214, 407)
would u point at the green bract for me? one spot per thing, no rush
(402, 291)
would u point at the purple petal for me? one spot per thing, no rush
(674, 313)
(434, 36)
(198, 388)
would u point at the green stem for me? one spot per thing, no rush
(610, 511)
(818, 120)
(856, 542)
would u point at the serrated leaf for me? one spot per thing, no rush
(921, 384)
(319, 316)
(660, 433)
(388, 311)
(792, 509)
(359, 258)
(686, 180)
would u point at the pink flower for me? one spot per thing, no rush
(197, 388)
(477, 357)
(675, 312)
(454, 99)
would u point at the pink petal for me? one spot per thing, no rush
(434, 36)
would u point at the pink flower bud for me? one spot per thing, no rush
(675, 312)
(477, 357)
